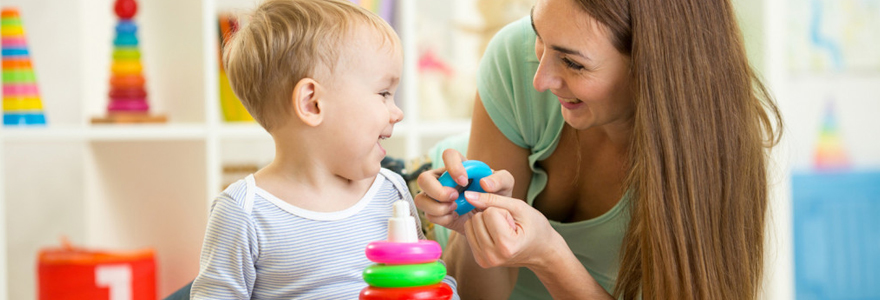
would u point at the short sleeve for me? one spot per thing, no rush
(504, 83)
(529, 118)
(228, 254)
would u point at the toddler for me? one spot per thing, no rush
(320, 77)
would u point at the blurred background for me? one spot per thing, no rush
(125, 187)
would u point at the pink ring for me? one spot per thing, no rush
(385, 252)
(26, 89)
(14, 42)
(128, 104)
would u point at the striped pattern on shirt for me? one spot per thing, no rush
(259, 247)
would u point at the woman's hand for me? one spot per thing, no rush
(438, 201)
(508, 232)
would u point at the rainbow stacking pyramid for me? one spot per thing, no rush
(405, 267)
(21, 97)
(128, 98)
(830, 154)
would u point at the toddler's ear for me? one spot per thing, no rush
(306, 101)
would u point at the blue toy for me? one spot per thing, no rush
(476, 170)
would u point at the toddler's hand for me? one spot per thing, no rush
(438, 201)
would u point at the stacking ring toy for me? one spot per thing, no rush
(132, 67)
(476, 170)
(396, 276)
(439, 291)
(124, 81)
(391, 253)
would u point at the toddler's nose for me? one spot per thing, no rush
(396, 113)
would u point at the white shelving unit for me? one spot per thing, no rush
(135, 186)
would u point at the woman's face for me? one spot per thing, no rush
(580, 66)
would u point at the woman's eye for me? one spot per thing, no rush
(572, 65)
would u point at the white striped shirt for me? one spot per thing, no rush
(259, 247)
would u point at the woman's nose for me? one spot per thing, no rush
(546, 77)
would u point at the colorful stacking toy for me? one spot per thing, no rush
(21, 97)
(128, 98)
(406, 267)
(830, 154)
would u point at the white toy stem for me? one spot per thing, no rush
(401, 225)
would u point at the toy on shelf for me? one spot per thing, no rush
(21, 97)
(128, 98)
(830, 154)
(69, 272)
(233, 110)
(476, 170)
(406, 267)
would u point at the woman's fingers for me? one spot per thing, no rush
(481, 234)
(509, 232)
(492, 236)
(486, 200)
(500, 222)
(473, 242)
(501, 227)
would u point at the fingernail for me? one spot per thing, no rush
(473, 198)
(490, 185)
(462, 180)
(453, 196)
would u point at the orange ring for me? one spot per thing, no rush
(127, 81)
(17, 64)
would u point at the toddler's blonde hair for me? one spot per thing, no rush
(285, 41)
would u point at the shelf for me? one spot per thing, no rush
(147, 132)
(107, 174)
(423, 129)
(242, 131)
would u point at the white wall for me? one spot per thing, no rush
(803, 97)
(85, 190)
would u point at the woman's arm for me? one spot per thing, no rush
(556, 266)
(489, 145)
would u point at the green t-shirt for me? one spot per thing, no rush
(533, 120)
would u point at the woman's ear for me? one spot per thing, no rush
(307, 101)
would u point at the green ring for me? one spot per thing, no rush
(398, 276)
(19, 76)
(122, 53)
(11, 22)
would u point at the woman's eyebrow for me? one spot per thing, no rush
(555, 47)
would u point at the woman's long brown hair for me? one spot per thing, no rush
(703, 126)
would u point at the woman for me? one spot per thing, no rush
(636, 132)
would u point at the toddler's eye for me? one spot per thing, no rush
(385, 94)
